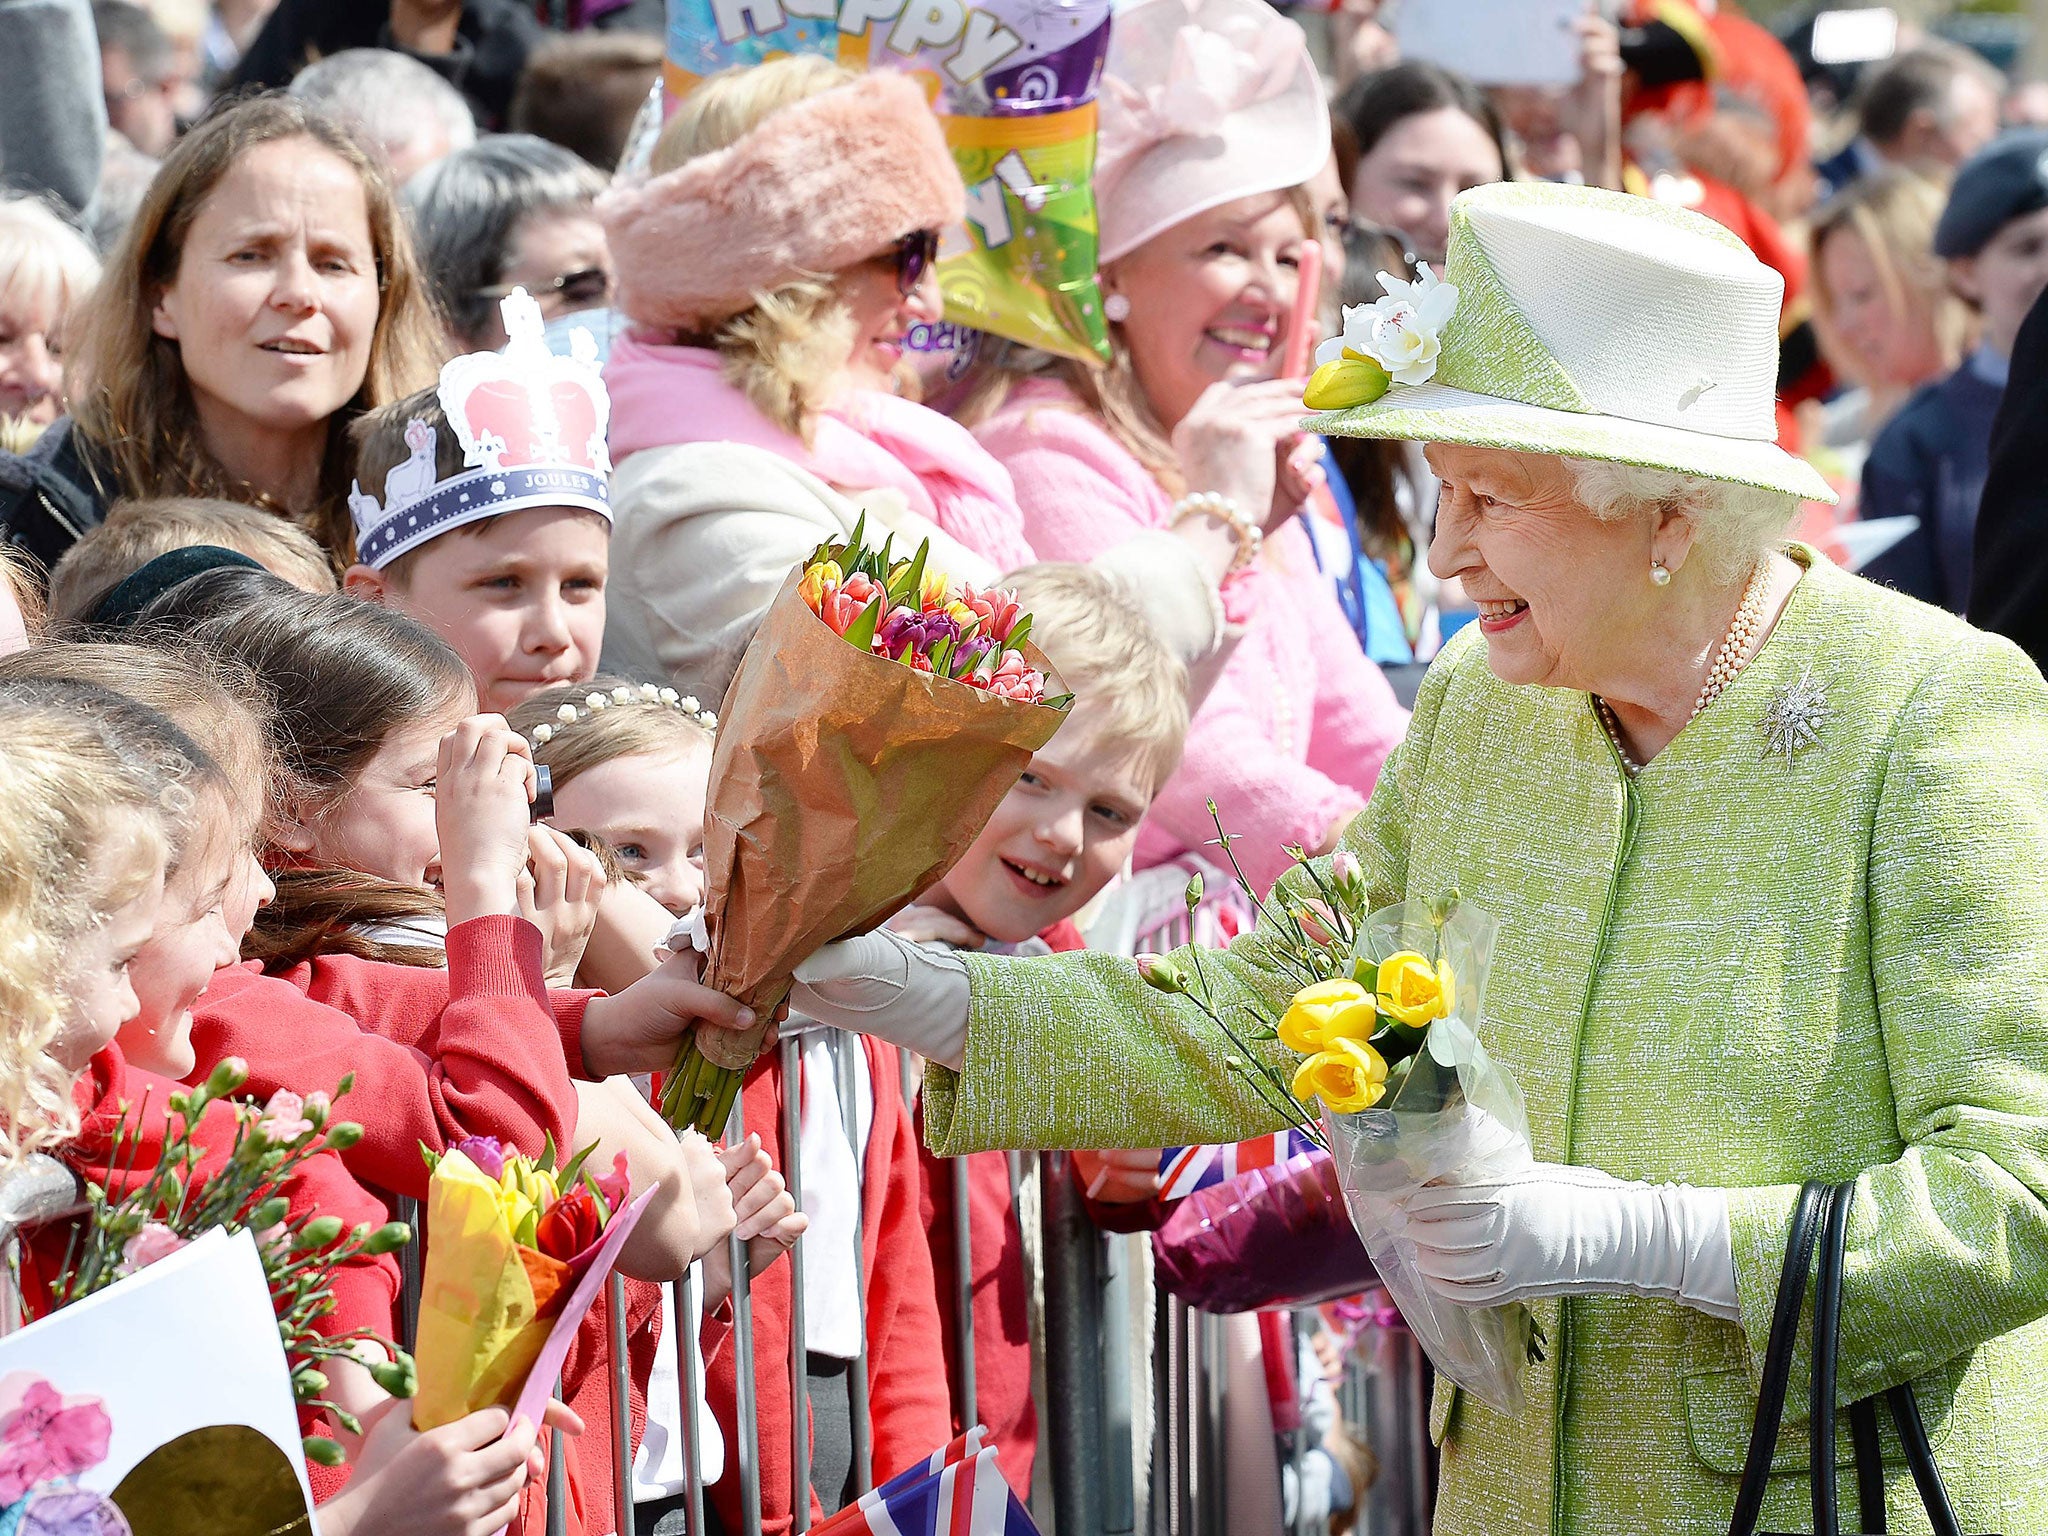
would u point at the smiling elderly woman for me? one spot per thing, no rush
(1769, 850)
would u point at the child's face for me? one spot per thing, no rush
(521, 598)
(383, 824)
(1056, 839)
(650, 808)
(101, 988)
(190, 940)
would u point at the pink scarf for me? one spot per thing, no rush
(664, 395)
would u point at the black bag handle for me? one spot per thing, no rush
(1826, 1208)
(1814, 1200)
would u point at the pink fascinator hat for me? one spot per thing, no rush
(1202, 102)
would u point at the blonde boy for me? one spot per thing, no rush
(1068, 826)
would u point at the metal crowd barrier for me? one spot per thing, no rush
(1093, 1422)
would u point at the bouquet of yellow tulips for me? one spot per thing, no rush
(1385, 1023)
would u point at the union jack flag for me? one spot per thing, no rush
(957, 1491)
(1183, 1170)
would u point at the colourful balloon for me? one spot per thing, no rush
(1014, 83)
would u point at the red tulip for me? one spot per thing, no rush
(570, 1225)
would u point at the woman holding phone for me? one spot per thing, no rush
(1205, 218)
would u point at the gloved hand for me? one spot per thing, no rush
(1547, 1229)
(883, 985)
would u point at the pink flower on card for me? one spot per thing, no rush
(284, 1118)
(155, 1241)
(47, 1437)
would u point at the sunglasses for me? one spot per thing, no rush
(585, 288)
(914, 255)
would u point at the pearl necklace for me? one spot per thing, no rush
(1728, 661)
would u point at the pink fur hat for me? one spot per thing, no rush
(814, 188)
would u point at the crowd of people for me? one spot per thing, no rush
(394, 403)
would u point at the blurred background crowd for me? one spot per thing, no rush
(1887, 161)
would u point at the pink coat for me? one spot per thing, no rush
(1294, 732)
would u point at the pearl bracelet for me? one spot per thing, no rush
(1248, 535)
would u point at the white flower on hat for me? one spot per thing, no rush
(1400, 331)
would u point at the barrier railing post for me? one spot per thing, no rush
(746, 1410)
(1119, 1493)
(683, 1300)
(1212, 1450)
(558, 1480)
(621, 1401)
(411, 1272)
(1073, 1353)
(799, 1355)
(964, 1395)
(1304, 1395)
(843, 1047)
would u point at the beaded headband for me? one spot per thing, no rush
(627, 695)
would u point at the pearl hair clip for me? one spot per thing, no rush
(624, 694)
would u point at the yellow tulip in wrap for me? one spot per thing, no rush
(1348, 1076)
(1325, 1012)
(1414, 991)
(486, 1303)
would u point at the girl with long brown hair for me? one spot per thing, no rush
(265, 295)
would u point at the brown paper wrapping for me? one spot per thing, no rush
(843, 784)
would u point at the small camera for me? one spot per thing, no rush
(543, 792)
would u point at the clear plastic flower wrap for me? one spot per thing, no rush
(1385, 1024)
(1449, 1110)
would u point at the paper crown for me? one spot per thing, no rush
(532, 428)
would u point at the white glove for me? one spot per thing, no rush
(882, 985)
(1553, 1230)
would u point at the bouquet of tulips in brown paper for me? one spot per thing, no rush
(876, 720)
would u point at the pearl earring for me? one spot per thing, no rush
(1658, 575)
(1116, 307)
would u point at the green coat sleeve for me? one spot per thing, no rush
(1948, 1244)
(1075, 1050)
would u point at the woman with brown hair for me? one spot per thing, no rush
(265, 295)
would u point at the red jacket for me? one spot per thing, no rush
(907, 1394)
(476, 1050)
(482, 1048)
(110, 1092)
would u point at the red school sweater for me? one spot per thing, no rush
(480, 1049)
(906, 1366)
(110, 1092)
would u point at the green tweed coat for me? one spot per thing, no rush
(1736, 970)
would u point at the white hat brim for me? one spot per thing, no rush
(1437, 413)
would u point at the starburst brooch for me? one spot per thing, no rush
(1794, 717)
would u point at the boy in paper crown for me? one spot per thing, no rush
(1056, 840)
(494, 527)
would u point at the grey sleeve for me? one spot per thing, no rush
(53, 114)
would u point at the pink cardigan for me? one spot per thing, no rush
(1295, 730)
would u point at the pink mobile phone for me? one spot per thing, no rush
(1301, 325)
